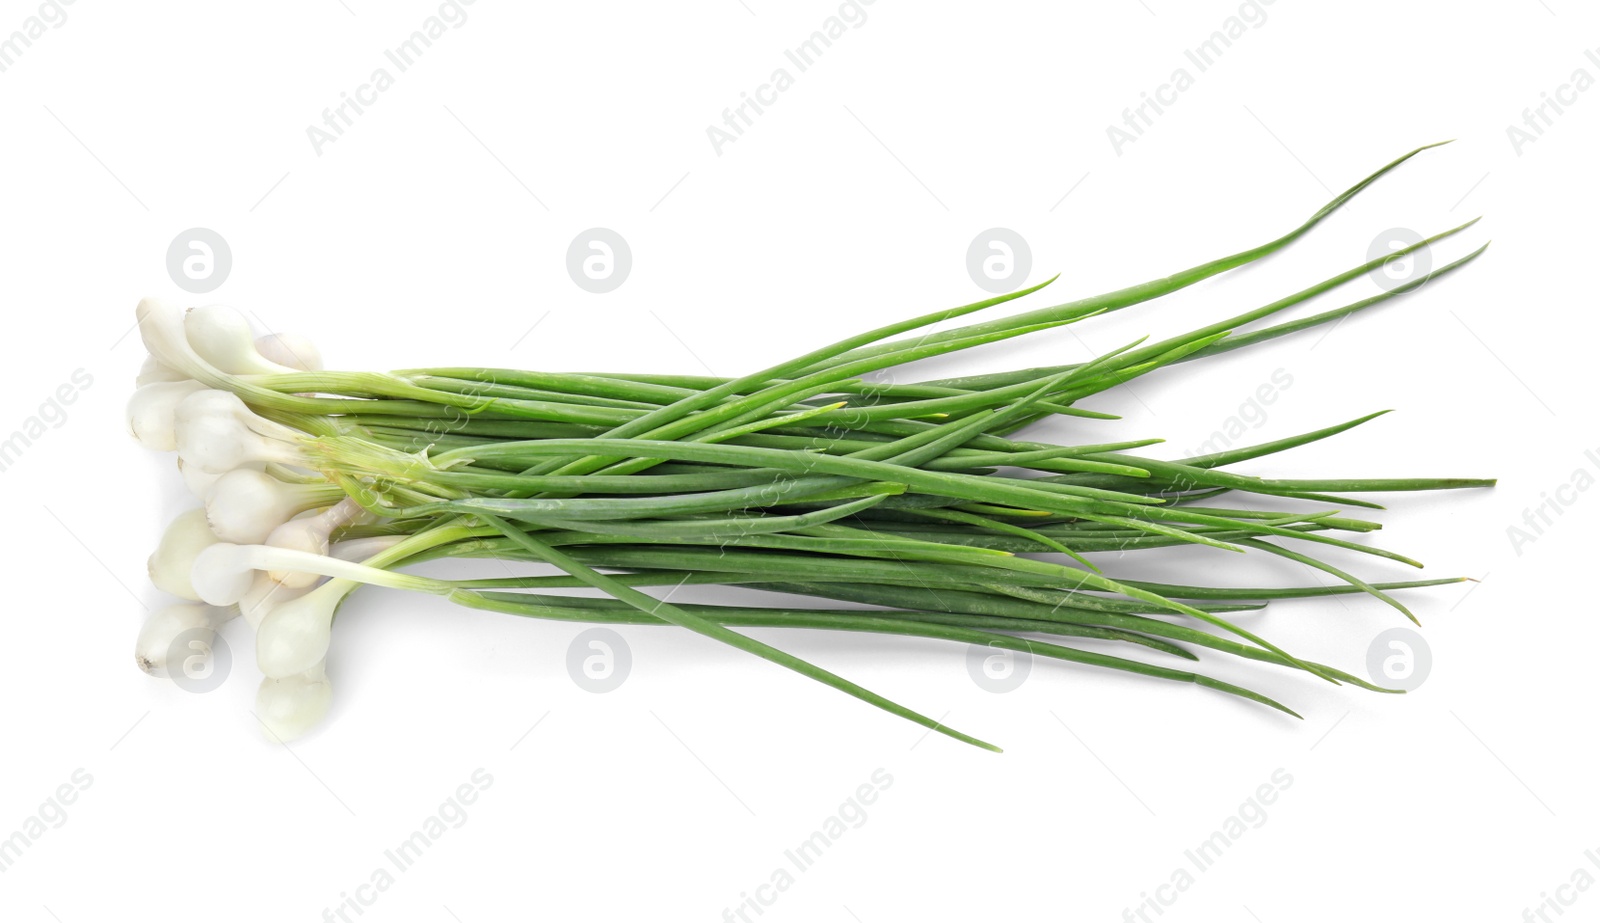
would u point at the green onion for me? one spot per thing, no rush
(920, 501)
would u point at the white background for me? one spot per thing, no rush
(434, 232)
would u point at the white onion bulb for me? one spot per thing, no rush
(200, 482)
(154, 370)
(294, 636)
(245, 505)
(163, 627)
(310, 534)
(161, 328)
(217, 433)
(290, 350)
(222, 573)
(186, 537)
(152, 413)
(222, 337)
(291, 705)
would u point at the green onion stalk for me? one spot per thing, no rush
(916, 509)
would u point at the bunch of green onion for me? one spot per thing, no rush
(899, 509)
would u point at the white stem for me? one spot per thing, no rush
(310, 534)
(222, 574)
(360, 549)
